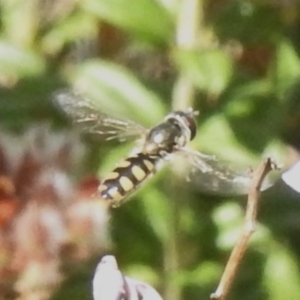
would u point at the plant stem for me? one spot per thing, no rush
(189, 20)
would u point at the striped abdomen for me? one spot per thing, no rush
(126, 177)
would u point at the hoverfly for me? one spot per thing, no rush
(159, 144)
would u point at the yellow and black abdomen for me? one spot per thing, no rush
(127, 176)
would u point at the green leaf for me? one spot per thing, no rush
(117, 91)
(16, 61)
(143, 273)
(254, 114)
(208, 70)
(20, 21)
(157, 210)
(29, 101)
(76, 26)
(217, 137)
(282, 274)
(230, 220)
(206, 273)
(287, 68)
(250, 22)
(145, 19)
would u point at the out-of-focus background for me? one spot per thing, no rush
(236, 61)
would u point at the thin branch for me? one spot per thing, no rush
(250, 220)
(187, 33)
(190, 14)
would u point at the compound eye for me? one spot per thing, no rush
(187, 118)
(192, 126)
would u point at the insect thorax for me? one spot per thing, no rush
(175, 132)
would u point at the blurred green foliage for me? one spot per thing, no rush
(244, 67)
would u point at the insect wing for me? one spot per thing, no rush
(212, 176)
(87, 115)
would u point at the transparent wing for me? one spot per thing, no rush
(88, 116)
(210, 175)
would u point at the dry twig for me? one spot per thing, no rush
(250, 219)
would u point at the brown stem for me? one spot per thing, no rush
(249, 226)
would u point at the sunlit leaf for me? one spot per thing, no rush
(286, 67)
(68, 30)
(281, 276)
(142, 272)
(146, 19)
(208, 70)
(215, 136)
(241, 99)
(15, 61)
(115, 90)
(21, 21)
(157, 210)
(206, 273)
(230, 219)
